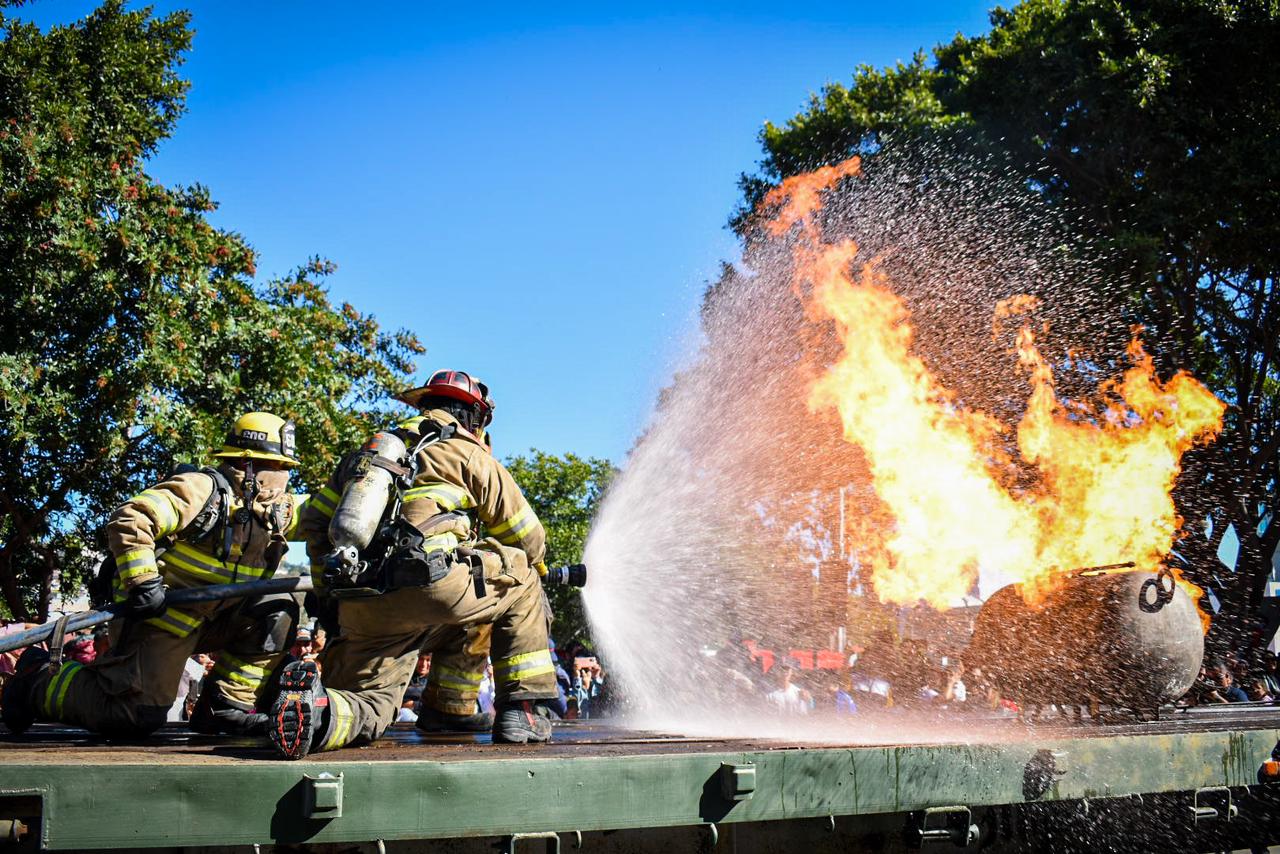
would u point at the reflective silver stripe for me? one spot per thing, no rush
(452, 677)
(325, 502)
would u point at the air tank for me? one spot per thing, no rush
(365, 496)
(1125, 639)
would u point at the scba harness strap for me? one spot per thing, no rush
(399, 555)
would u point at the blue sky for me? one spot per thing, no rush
(539, 192)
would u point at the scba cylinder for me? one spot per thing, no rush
(365, 496)
(1130, 639)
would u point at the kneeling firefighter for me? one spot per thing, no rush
(394, 530)
(216, 525)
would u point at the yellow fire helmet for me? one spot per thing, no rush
(260, 436)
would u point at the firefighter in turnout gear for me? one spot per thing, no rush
(436, 583)
(218, 525)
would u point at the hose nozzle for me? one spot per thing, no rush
(574, 575)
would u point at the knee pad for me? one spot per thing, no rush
(275, 619)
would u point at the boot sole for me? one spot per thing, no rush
(292, 722)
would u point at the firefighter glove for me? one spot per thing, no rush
(146, 599)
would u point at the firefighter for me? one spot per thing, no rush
(459, 656)
(215, 525)
(437, 575)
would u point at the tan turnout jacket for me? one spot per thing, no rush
(166, 509)
(458, 474)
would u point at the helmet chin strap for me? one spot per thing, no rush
(250, 492)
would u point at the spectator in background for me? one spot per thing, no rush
(1269, 673)
(101, 641)
(789, 697)
(564, 685)
(1257, 691)
(303, 648)
(193, 673)
(955, 690)
(588, 687)
(1222, 687)
(80, 648)
(842, 699)
(484, 699)
(412, 696)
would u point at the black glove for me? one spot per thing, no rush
(146, 599)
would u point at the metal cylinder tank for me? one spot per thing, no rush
(1127, 639)
(365, 496)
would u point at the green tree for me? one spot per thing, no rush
(1157, 122)
(132, 330)
(564, 492)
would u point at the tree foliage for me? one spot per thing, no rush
(131, 329)
(564, 492)
(1158, 122)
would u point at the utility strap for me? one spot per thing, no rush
(57, 642)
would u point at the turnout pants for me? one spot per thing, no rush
(129, 691)
(459, 657)
(368, 666)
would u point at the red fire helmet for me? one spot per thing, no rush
(458, 385)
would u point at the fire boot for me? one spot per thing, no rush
(18, 703)
(299, 716)
(214, 715)
(521, 722)
(431, 720)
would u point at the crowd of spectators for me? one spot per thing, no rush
(906, 675)
(1233, 678)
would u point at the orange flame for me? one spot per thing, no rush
(1105, 474)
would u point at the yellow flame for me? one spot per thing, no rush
(1105, 472)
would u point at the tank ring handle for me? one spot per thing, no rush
(1164, 585)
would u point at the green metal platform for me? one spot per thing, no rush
(88, 794)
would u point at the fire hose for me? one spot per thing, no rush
(575, 576)
(188, 596)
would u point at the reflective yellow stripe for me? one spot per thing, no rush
(524, 666)
(238, 670)
(412, 423)
(516, 525)
(173, 621)
(134, 563)
(341, 719)
(325, 502)
(56, 693)
(176, 622)
(447, 495)
(514, 535)
(440, 542)
(165, 512)
(452, 677)
(189, 560)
